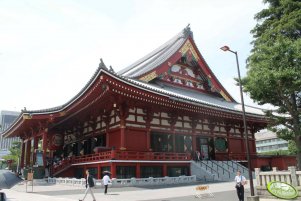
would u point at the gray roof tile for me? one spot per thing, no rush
(156, 57)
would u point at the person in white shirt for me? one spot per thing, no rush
(240, 181)
(106, 180)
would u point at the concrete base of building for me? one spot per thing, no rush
(253, 198)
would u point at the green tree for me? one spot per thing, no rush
(274, 67)
(15, 153)
(292, 149)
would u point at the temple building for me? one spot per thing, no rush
(147, 120)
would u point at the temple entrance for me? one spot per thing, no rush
(161, 142)
(206, 148)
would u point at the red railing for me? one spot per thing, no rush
(121, 155)
(133, 155)
(106, 155)
(62, 165)
(240, 157)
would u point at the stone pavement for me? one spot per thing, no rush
(222, 191)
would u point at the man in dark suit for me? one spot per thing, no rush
(89, 185)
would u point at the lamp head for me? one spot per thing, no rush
(225, 48)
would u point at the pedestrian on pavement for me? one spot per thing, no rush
(240, 181)
(106, 180)
(197, 155)
(89, 186)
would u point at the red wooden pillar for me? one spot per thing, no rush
(148, 118)
(148, 143)
(193, 124)
(113, 170)
(28, 152)
(174, 142)
(85, 169)
(98, 171)
(35, 149)
(228, 128)
(193, 142)
(242, 142)
(44, 146)
(107, 119)
(173, 120)
(22, 154)
(113, 154)
(211, 127)
(122, 135)
(138, 173)
(164, 170)
(107, 138)
(36, 143)
(253, 142)
(123, 114)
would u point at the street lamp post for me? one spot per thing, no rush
(226, 48)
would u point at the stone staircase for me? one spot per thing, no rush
(203, 173)
(233, 166)
(211, 170)
(59, 169)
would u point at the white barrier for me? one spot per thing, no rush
(291, 177)
(126, 182)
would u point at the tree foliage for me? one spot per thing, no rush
(292, 147)
(274, 67)
(281, 18)
(15, 153)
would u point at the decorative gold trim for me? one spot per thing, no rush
(27, 116)
(149, 76)
(225, 96)
(188, 46)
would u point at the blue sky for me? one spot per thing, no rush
(49, 49)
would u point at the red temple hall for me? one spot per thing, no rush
(148, 120)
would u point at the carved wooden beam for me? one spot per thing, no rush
(123, 112)
(149, 116)
(173, 118)
(194, 121)
(107, 119)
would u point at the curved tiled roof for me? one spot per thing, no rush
(195, 97)
(61, 107)
(130, 74)
(84, 89)
(160, 55)
(156, 57)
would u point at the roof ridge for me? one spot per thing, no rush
(100, 67)
(185, 33)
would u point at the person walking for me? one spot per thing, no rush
(240, 181)
(89, 185)
(106, 180)
(198, 155)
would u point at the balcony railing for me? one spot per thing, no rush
(133, 155)
(120, 155)
(241, 157)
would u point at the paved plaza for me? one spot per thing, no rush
(222, 191)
